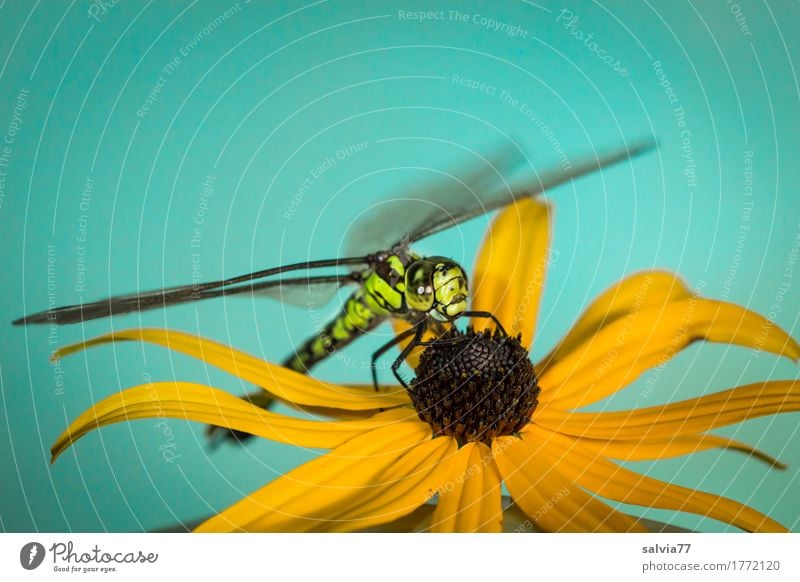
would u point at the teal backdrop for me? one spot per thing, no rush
(150, 144)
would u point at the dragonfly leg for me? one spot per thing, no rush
(418, 331)
(385, 348)
(488, 315)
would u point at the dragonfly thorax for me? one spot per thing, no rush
(437, 285)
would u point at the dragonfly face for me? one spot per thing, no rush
(437, 285)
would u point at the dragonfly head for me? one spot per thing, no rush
(437, 285)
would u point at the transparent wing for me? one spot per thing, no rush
(456, 200)
(467, 207)
(189, 293)
(306, 293)
(389, 223)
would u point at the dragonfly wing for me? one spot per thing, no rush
(185, 294)
(463, 208)
(391, 222)
(111, 306)
(309, 293)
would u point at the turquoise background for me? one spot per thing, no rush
(273, 89)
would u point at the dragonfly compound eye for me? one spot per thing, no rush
(419, 294)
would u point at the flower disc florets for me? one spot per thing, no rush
(475, 386)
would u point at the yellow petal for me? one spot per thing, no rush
(401, 489)
(675, 446)
(614, 482)
(470, 499)
(619, 352)
(631, 295)
(277, 380)
(678, 418)
(511, 268)
(539, 486)
(310, 496)
(340, 413)
(205, 404)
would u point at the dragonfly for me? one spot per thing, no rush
(390, 279)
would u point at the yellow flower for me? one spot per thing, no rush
(386, 465)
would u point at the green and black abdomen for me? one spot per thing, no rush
(359, 316)
(380, 296)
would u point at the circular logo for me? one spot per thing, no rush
(31, 555)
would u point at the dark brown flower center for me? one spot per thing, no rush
(475, 386)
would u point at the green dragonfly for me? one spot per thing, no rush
(391, 280)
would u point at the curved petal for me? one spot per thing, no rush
(619, 352)
(535, 478)
(325, 412)
(401, 489)
(470, 500)
(631, 295)
(515, 521)
(310, 496)
(277, 380)
(679, 418)
(205, 404)
(511, 267)
(614, 482)
(668, 447)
